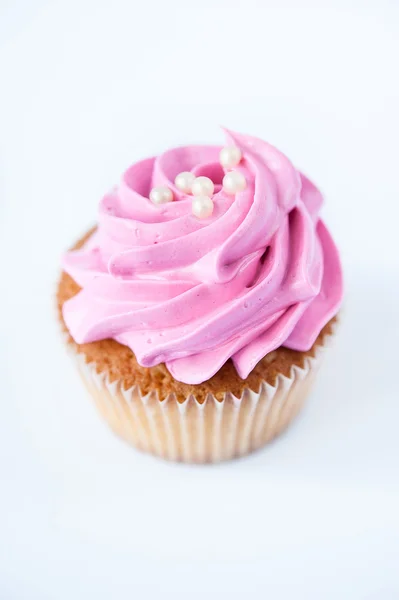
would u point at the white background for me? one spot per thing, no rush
(86, 88)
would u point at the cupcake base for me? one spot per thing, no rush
(201, 432)
(222, 418)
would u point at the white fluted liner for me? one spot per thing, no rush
(211, 431)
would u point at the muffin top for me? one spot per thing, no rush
(204, 254)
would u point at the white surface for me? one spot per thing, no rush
(88, 87)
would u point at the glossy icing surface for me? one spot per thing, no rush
(261, 272)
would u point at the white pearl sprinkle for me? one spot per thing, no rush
(202, 207)
(230, 156)
(184, 181)
(202, 186)
(234, 182)
(161, 195)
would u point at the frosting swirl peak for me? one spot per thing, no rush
(262, 271)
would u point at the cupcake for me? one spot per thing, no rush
(199, 308)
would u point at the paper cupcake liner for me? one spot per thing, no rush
(193, 432)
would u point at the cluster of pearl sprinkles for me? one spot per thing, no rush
(202, 188)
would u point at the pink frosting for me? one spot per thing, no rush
(260, 273)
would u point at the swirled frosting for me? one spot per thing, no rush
(260, 273)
